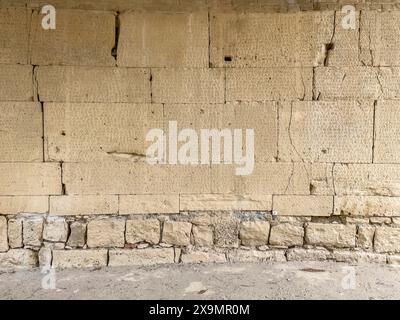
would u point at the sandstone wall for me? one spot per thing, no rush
(76, 104)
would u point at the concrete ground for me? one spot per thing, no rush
(292, 280)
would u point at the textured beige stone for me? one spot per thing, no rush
(14, 49)
(202, 257)
(180, 85)
(15, 233)
(379, 38)
(177, 233)
(226, 232)
(96, 132)
(30, 178)
(141, 204)
(250, 40)
(393, 259)
(217, 202)
(79, 258)
(303, 205)
(387, 239)
(203, 236)
(32, 231)
(254, 233)
(77, 235)
(89, 84)
(285, 234)
(256, 256)
(346, 83)
(18, 259)
(45, 256)
(156, 39)
(344, 130)
(380, 220)
(143, 230)
(389, 78)
(367, 206)
(141, 257)
(300, 254)
(258, 84)
(367, 179)
(331, 235)
(21, 132)
(106, 233)
(387, 132)
(55, 229)
(3, 234)
(358, 257)
(80, 38)
(321, 179)
(23, 204)
(83, 205)
(16, 83)
(365, 236)
(275, 178)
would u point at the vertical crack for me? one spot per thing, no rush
(374, 131)
(209, 40)
(63, 186)
(114, 51)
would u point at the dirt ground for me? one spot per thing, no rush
(292, 280)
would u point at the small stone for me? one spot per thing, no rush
(263, 248)
(203, 236)
(285, 234)
(32, 231)
(253, 233)
(77, 234)
(177, 233)
(55, 229)
(3, 234)
(143, 230)
(365, 236)
(15, 233)
(143, 245)
(380, 220)
(107, 233)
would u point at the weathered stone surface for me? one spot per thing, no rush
(367, 179)
(30, 178)
(346, 83)
(23, 204)
(3, 234)
(331, 235)
(83, 205)
(141, 204)
(203, 236)
(177, 233)
(226, 232)
(285, 234)
(106, 233)
(393, 259)
(365, 236)
(358, 257)
(15, 233)
(143, 230)
(16, 83)
(79, 258)
(98, 132)
(254, 233)
(202, 257)
(300, 254)
(88, 84)
(14, 49)
(256, 256)
(218, 202)
(387, 239)
(157, 39)
(80, 38)
(77, 236)
(344, 130)
(380, 220)
(387, 132)
(32, 231)
(55, 229)
(21, 135)
(303, 205)
(258, 84)
(45, 256)
(141, 257)
(321, 179)
(250, 40)
(367, 206)
(180, 85)
(18, 259)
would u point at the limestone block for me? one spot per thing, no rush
(3, 234)
(83, 205)
(202, 257)
(143, 230)
(16, 83)
(300, 254)
(55, 229)
(32, 231)
(286, 234)
(303, 205)
(254, 233)
(203, 236)
(367, 206)
(106, 233)
(141, 204)
(177, 233)
(18, 259)
(23, 204)
(141, 257)
(256, 256)
(387, 239)
(365, 236)
(226, 232)
(331, 235)
(15, 233)
(63, 259)
(77, 236)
